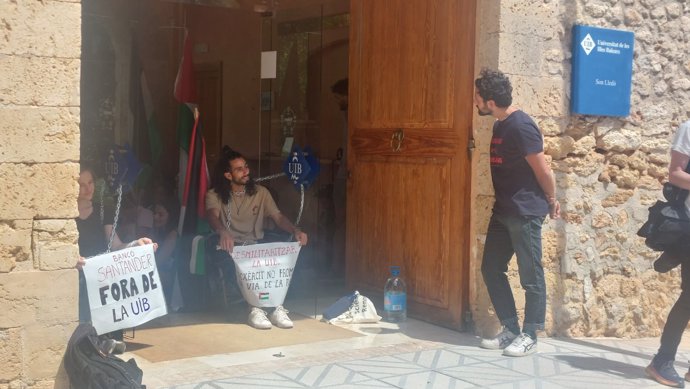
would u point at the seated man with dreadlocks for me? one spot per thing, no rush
(236, 208)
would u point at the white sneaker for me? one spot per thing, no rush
(521, 346)
(280, 318)
(500, 341)
(258, 319)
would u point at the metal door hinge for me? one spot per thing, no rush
(470, 148)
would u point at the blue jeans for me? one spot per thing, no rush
(520, 235)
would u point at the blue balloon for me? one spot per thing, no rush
(121, 167)
(296, 167)
(314, 165)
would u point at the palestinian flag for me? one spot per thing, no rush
(194, 176)
(197, 260)
(193, 173)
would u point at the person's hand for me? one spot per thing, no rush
(554, 209)
(80, 263)
(301, 237)
(143, 242)
(226, 242)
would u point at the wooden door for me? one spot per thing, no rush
(209, 85)
(411, 89)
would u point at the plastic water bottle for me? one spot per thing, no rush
(395, 297)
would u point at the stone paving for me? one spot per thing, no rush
(415, 355)
(560, 363)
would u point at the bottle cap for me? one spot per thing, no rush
(395, 271)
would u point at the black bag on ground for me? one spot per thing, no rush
(667, 227)
(89, 367)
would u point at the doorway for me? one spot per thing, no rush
(237, 107)
(407, 124)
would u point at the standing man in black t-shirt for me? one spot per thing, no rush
(525, 192)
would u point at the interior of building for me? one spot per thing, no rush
(264, 71)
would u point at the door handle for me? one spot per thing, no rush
(397, 139)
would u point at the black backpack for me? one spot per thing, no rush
(667, 228)
(90, 367)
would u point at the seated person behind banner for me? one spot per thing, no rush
(162, 188)
(135, 220)
(94, 225)
(165, 218)
(235, 208)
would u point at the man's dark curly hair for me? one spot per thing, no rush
(494, 85)
(221, 184)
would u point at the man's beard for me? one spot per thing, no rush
(241, 182)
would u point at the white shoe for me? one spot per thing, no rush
(521, 346)
(500, 341)
(280, 318)
(258, 319)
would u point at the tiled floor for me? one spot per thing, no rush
(560, 363)
(414, 355)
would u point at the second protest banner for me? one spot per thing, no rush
(124, 289)
(264, 271)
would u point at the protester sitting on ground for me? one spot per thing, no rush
(165, 217)
(235, 208)
(95, 226)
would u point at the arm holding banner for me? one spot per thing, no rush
(117, 243)
(287, 226)
(226, 240)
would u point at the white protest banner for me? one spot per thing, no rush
(124, 289)
(264, 271)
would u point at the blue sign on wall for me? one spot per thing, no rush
(602, 71)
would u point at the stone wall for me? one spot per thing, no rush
(609, 170)
(40, 45)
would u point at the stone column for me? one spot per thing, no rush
(40, 49)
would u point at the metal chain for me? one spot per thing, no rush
(301, 204)
(101, 199)
(117, 216)
(269, 177)
(227, 214)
